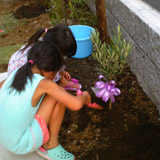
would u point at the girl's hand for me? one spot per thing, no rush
(66, 75)
(88, 99)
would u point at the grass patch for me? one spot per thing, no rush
(8, 23)
(7, 51)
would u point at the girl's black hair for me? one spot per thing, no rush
(45, 57)
(61, 35)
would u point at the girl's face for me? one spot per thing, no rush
(49, 74)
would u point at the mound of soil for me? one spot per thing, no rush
(29, 11)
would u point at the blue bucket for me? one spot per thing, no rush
(82, 35)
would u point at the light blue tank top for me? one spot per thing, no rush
(19, 131)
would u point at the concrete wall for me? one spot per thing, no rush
(154, 3)
(140, 24)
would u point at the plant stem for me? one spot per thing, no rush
(110, 104)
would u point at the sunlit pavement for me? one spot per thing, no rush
(6, 155)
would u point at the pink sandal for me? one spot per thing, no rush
(74, 82)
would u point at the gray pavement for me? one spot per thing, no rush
(6, 155)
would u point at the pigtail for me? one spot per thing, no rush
(21, 76)
(34, 38)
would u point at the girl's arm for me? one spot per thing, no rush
(59, 94)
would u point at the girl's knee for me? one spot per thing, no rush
(58, 109)
(46, 107)
(49, 98)
(57, 105)
(60, 106)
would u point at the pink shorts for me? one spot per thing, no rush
(44, 128)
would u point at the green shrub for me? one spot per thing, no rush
(70, 11)
(112, 57)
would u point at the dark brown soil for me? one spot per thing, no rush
(129, 131)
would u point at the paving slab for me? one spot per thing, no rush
(7, 155)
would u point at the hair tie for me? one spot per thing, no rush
(30, 61)
(46, 30)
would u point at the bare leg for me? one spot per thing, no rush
(54, 126)
(52, 112)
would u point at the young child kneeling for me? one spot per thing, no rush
(32, 106)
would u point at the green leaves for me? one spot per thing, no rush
(112, 57)
(55, 11)
(71, 11)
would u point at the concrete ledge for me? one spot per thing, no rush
(6, 155)
(140, 24)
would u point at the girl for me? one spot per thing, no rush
(30, 101)
(62, 37)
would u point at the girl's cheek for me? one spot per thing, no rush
(52, 76)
